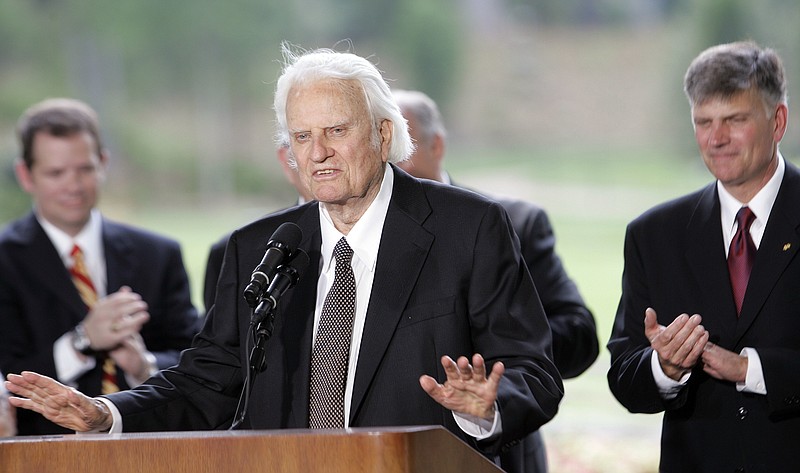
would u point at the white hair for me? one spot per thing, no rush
(324, 64)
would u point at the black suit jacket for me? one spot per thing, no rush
(39, 303)
(216, 255)
(449, 281)
(675, 262)
(575, 344)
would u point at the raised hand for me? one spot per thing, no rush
(678, 345)
(115, 318)
(60, 404)
(467, 389)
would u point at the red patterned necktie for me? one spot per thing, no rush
(741, 255)
(82, 281)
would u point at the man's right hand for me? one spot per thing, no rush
(115, 318)
(60, 404)
(679, 345)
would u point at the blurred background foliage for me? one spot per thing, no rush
(184, 87)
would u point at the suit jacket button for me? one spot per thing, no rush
(742, 413)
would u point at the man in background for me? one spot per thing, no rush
(217, 252)
(708, 325)
(575, 344)
(95, 304)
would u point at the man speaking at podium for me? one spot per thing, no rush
(443, 325)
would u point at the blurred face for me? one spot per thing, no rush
(330, 132)
(64, 179)
(738, 139)
(426, 160)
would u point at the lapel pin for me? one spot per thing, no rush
(787, 246)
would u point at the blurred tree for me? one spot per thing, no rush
(427, 41)
(180, 84)
(723, 21)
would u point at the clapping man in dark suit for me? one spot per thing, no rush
(575, 344)
(708, 326)
(436, 286)
(141, 315)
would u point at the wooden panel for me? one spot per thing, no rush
(404, 450)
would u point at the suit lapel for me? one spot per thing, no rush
(706, 257)
(299, 322)
(404, 247)
(120, 264)
(38, 253)
(777, 249)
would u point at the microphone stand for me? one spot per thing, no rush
(262, 323)
(261, 326)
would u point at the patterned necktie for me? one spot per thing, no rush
(82, 281)
(331, 354)
(741, 255)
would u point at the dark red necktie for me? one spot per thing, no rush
(741, 255)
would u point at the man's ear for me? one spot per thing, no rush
(102, 165)
(387, 132)
(438, 147)
(24, 176)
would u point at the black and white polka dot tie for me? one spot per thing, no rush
(331, 354)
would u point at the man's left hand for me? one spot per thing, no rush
(134, 358)
(724, 364)
(467, 389)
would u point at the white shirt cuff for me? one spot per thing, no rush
(478, 427)
(116, 425)
(667, 386)
(754, 379)
(69, 365)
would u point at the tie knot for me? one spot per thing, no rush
(342, 252)
(76, 251)
(745, 218)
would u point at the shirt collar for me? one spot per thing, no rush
(363, 238)
(761, 204)
(89, 238)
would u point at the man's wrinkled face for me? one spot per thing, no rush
(331, 138)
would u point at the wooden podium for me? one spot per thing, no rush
(395, 450)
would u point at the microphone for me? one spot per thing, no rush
(285, 278)
(280, 247)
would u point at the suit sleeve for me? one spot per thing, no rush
(173, 322)
(575, 344)
(629, 376)
(509, 325)
(213, 268)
